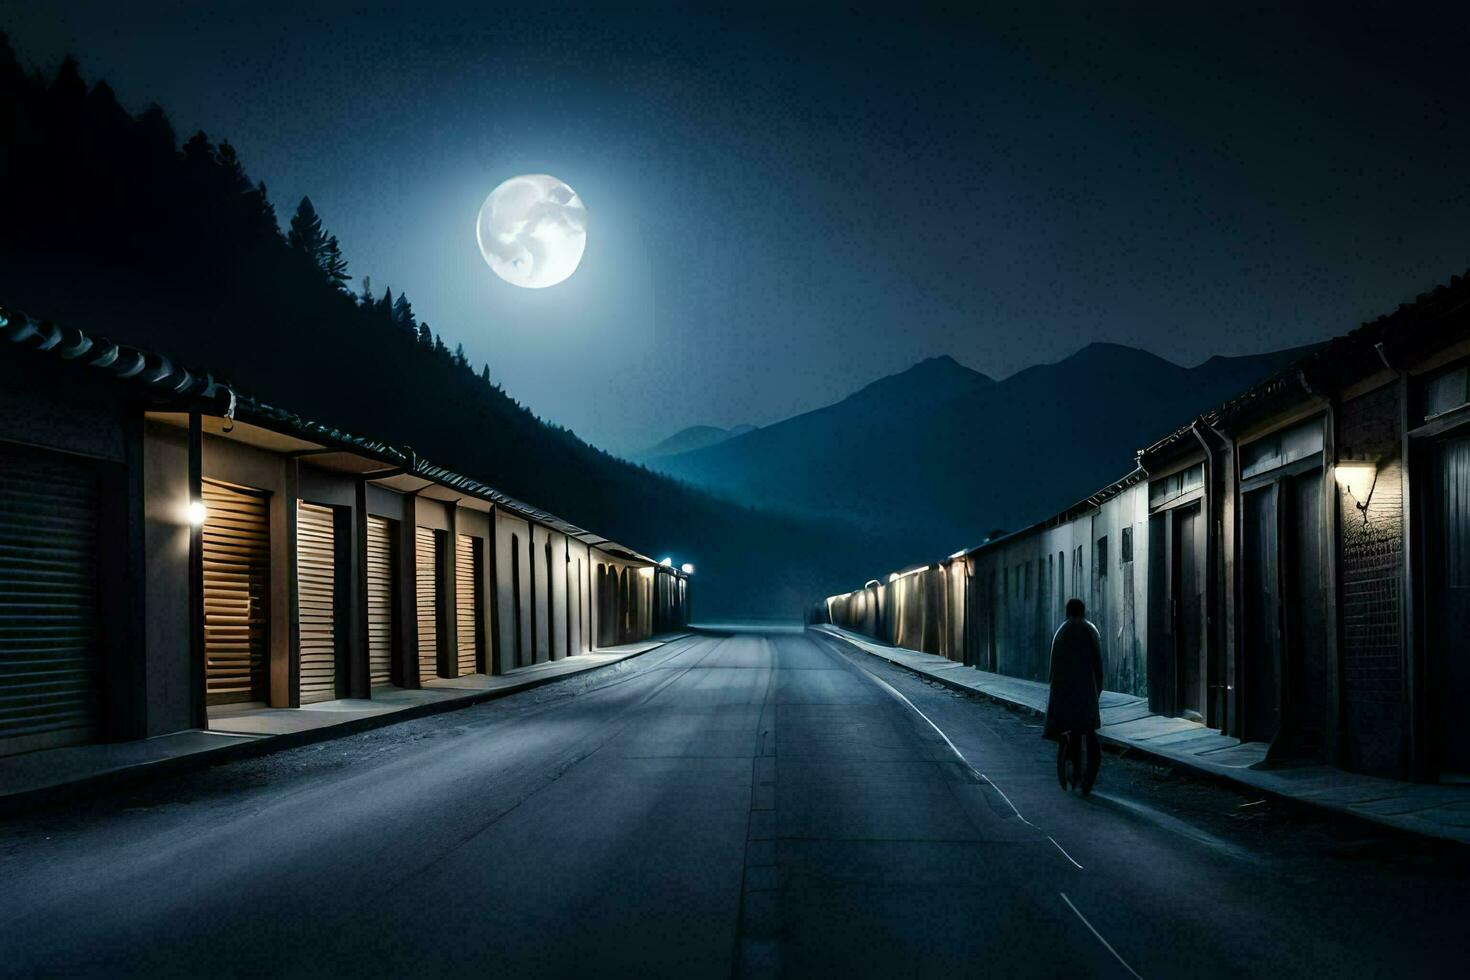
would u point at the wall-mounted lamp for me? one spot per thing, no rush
(893, 576)
(1358, 477)
(197, 513)
(687, 568)
(667, 562)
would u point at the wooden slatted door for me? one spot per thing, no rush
(49, 676)
(380, 554)
(316, 601)
(427, 565)
(237, 562)
(467, 602)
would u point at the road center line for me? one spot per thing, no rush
(1064, 851)
(1092, 929)
(955, 749)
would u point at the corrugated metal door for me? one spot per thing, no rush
(467, 602)
(49, 676)
(316, 601)
(380, 599)
(427, 564)
(237, 563)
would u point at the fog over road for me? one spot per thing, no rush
(738, 804)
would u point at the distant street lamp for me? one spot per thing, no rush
(687, 568)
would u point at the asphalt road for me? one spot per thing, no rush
(745, 804)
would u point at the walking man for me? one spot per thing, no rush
(1071, 707)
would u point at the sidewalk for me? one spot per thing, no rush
(1431, 810)
(239, 731)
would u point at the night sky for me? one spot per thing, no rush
(783, 208)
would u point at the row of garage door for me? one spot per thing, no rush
(236, 539)
(51, 622)
(237, 585)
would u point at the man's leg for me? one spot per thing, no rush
(1094, 760)
(1074, 757)
(1062, 753)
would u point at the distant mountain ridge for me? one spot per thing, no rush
(931, 458)
(694, 438)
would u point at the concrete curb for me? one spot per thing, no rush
(249, 747)
(1121, 747)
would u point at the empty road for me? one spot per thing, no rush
(748, 804)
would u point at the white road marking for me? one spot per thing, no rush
(1064, 851)
(1092, 929)
(953, 748)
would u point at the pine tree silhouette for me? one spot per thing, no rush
(309, 237)
(335, 265)
(403, 315)
(307, 234)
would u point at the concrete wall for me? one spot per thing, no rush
(166, 556)
(543, 569)
(1117, 599)
(998, 608)
(579, 596)
(557, 595)
(512, 607)
(44, 405)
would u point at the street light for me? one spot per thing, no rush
(687, 568)
(667, 562)
(197, 513)
(1359, 477)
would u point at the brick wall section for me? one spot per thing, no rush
(1371, 601)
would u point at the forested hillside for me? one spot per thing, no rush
(114, 225)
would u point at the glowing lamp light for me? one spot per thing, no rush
(1358, 477)
(687, 568)
(893, 576)
(197, 513)
(667, 562)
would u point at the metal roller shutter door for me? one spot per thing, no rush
(49, 674)
(467, 602)
(237, 557)
(427, 564)
(316, 601)
(380, 600)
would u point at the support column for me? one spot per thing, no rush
(198, 712)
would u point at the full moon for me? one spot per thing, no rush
(532, 231)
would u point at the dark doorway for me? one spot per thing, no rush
(550, 607)
(515, 597)
(1447, 536)
(1261, 661)
(1189, 593)
(1304, 706)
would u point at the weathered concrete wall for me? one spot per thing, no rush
(512, 590)
(166, 556)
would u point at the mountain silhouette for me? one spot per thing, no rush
(692, 438)
(932, 458)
